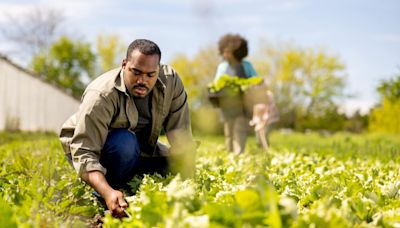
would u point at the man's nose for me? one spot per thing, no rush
(141, 78)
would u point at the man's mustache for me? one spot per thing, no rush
(140, 85)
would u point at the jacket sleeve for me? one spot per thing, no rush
(178, 116)
(92, 121)
(179, 133)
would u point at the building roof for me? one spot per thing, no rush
(39, 77)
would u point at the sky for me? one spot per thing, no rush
(363, 34)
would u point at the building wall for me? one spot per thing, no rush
(30, 104)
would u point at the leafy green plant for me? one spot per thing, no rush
(233, 82)
(304, 180)
(39, 186)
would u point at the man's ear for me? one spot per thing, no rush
(123, 64)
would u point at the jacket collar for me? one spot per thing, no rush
(119, 82)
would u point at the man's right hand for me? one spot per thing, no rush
(114, 198)
(116, 203)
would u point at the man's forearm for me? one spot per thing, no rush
(114, 198)
(97, 180)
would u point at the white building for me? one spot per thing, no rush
(28, 103)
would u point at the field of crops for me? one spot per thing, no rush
(305, 180)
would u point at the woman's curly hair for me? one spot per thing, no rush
(233, 42)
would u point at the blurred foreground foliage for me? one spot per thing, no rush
(340, 180)
(37, 185)
(306, 180)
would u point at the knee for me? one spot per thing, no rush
(122, 145)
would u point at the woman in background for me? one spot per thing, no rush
(233, 49)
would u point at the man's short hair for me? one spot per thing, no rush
(146, 47)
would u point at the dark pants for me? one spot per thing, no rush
(120, 156)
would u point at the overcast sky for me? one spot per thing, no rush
(364, 34)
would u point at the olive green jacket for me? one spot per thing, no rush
(106, 105)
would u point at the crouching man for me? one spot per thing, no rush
(114, 134)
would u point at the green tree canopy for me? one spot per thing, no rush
(110, 51)
(390, 89)
(385, 117)
(197, 72)
(68, 64)
(306, 82)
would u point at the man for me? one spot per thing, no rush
(114, 134)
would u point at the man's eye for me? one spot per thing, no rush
(136, 73)
(152, 74)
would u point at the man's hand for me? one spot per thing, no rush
(116, 203)
(114, 198)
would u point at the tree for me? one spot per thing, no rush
(356, 123)
(306, 82)
(110, 51)
(67, 64)
(196, 74)
(390, 89)
(385, 117)
(34, 31)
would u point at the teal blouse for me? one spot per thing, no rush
(224, 68)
